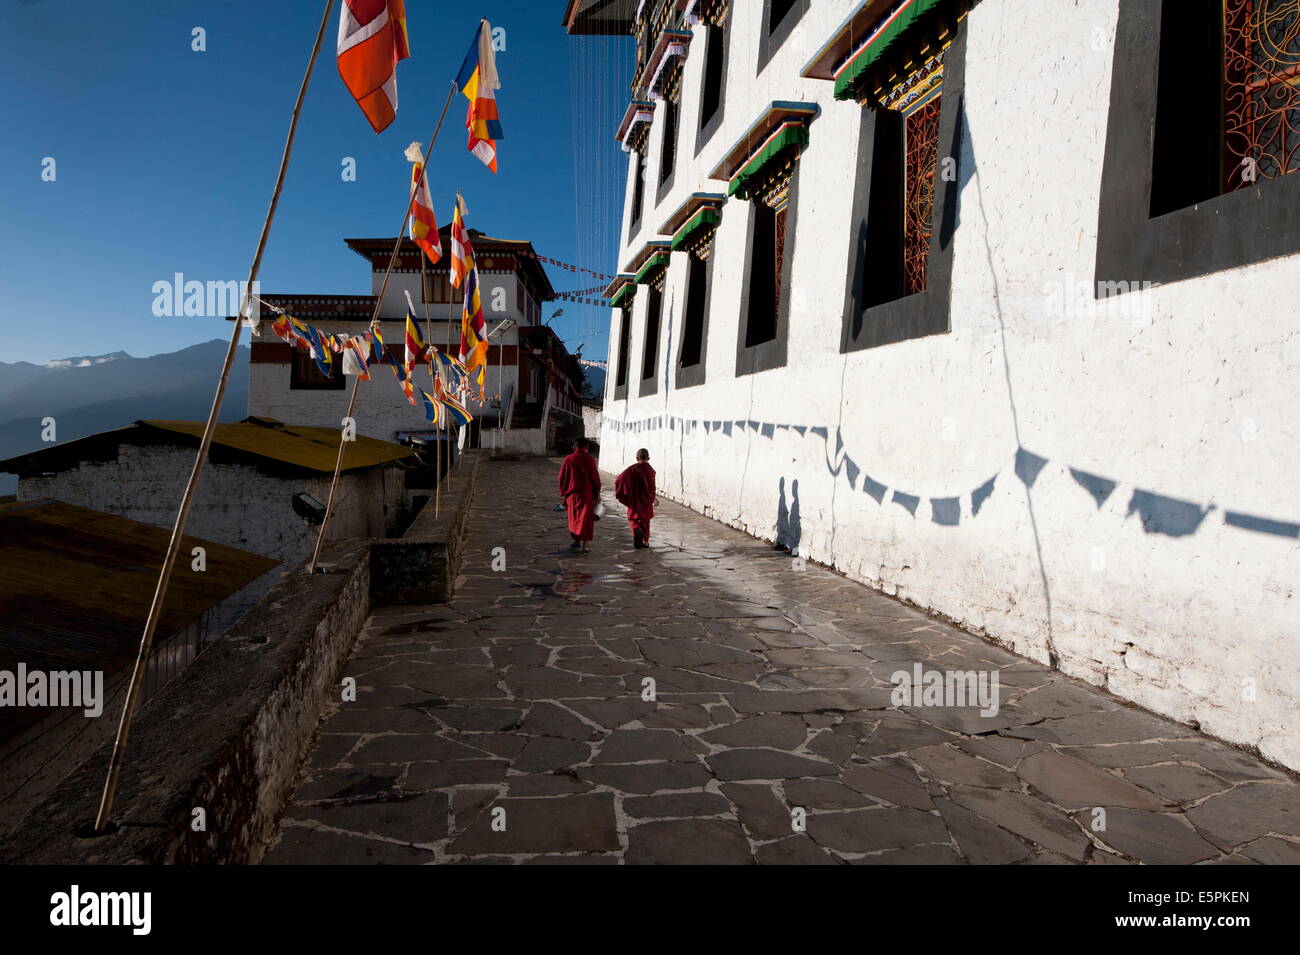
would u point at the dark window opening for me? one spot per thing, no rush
(1227, 99)
(624, 340)
(1188, 135)
(697, 286)
(711, 97)
(777, 12)
(438, 288)
(765, 267)
(883, 251)
(650, 353)
(304, 375)
(669, 153)
(904, 162)
(638, 186)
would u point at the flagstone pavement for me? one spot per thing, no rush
(510, 725)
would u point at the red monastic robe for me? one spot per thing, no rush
(638, 482)
(580, 488)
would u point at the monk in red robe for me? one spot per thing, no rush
(635, 488)
(580, 488)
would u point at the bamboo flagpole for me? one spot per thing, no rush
(379, 303)
(451, 317)
(428, 337)
(187, 499)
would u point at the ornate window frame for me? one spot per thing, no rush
(1228, 231)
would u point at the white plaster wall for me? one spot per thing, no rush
(498, 294)
(1194, 398)
(237, 505)
(591, 422)
(382, 409)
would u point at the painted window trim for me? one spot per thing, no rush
(1229, 231)
(704, 131)
(691, 375)
(923, 313)
(770, 43)
(771, 354)
(650, 386)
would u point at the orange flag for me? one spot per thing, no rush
(372, 40)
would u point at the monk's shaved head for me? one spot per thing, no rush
(643, 455)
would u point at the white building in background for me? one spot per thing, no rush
(245, 499)
(980, 304)
(529, 370)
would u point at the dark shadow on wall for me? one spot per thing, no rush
(1027, 466)
(789, 529)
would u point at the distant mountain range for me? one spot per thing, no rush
(92, 393)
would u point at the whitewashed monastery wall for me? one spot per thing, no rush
(1194, 399)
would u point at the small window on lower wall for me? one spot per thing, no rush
(650, 345)
(905, 202)
(624, 340)
(305, 375)
(1204, 96)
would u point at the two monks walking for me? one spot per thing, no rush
(580, 488)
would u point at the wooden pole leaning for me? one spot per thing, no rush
(205, 442)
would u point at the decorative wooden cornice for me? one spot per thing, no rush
(670, 45)
(781, 124)
(648, 259)
(880, 39)
(638, 111)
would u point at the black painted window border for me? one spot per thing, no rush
(770, 42)
(688, 376)
(1225, 232)
(636, 211)
(704, 129)
(649, 384)
(624, 364)
(670, 139)
(923, 313)
(765, 356)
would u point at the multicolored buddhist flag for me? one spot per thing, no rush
(414, 351)
(473, 331)
(355, 354)
(479, 82)
(432, 407)
(424, 224)
(462, 251)
(372, 41)
(460, 415)
(454, 375)
(378, 351)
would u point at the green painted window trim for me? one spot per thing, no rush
(870, 55)
(659, 259)
(703, 219)
(622, 295)
(789, 137)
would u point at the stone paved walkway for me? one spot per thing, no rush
(771, 737)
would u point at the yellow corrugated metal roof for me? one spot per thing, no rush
(313, 448)
(76, 585)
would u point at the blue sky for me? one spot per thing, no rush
(166, 158)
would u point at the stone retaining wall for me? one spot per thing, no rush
(212, 758)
